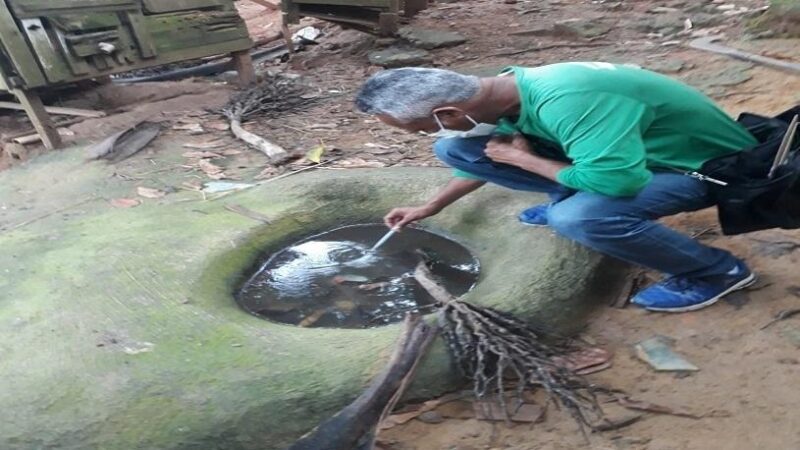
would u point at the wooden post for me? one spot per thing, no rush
(33, 106)
(388, 24)
(287, 35)
(243, 63)
(412, 7)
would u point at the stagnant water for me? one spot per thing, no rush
(334, 280)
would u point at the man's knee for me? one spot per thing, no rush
(582, 220)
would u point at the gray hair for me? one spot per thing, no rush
(412, 93)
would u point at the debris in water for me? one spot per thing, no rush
(312, 318)
(337, 268)
(349, 278)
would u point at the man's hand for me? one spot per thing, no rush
(514, 153)
(455, 189)
(400, 217)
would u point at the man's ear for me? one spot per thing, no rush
(448, 112)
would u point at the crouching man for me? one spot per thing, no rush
(609, 144)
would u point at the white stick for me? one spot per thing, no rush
(384, 239)
(273, 151)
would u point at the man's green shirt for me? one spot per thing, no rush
(616, 122)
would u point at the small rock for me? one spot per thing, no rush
(793, 335)
(385, 42)
(663, 23)
(396, 57)
(432, 417)
(701, 20)
(666, 65)
(627, 442)
(584, 28)
(537, 30)
(430, 39)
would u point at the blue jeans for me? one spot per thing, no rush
(623, 227)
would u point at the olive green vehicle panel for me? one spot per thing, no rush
(45, 42)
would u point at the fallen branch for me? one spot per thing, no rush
(546, 47)
(354, 426)
(274, 152)
(639, 405)
(782, 315)
(707, 44)
(288, 174)
(276, 96)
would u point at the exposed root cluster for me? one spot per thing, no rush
(277, 95)
(493, 349)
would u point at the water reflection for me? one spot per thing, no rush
(335, 280)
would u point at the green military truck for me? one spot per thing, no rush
(47, 42)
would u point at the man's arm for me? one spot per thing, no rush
(602, 135)
(519, 153)
(452, 191)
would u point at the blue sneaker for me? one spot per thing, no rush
(676, 294)
(535, 215)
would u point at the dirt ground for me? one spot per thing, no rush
(746, 389)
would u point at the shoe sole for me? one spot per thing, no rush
(528, 224)
(534, 225)
(749, 281)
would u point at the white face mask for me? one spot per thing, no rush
(480, 129)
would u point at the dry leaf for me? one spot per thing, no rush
(459, 409)
(204, 145)
(584, 358)
(401, 418)
(213, 171)
(315, 154)
(201, 155)
(192, 128)
(125, 202)
(268, 172)
(491, 411)
(149, 192)
(231, 152)
(219, 126)
(653, 408)
(593, 369)
(379, 150)
(327, 126)
(193, 185)
(358, 163)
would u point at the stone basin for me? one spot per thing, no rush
(119, 330)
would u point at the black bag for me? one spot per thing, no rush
(750, 200)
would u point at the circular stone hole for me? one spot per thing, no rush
(334, 279)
